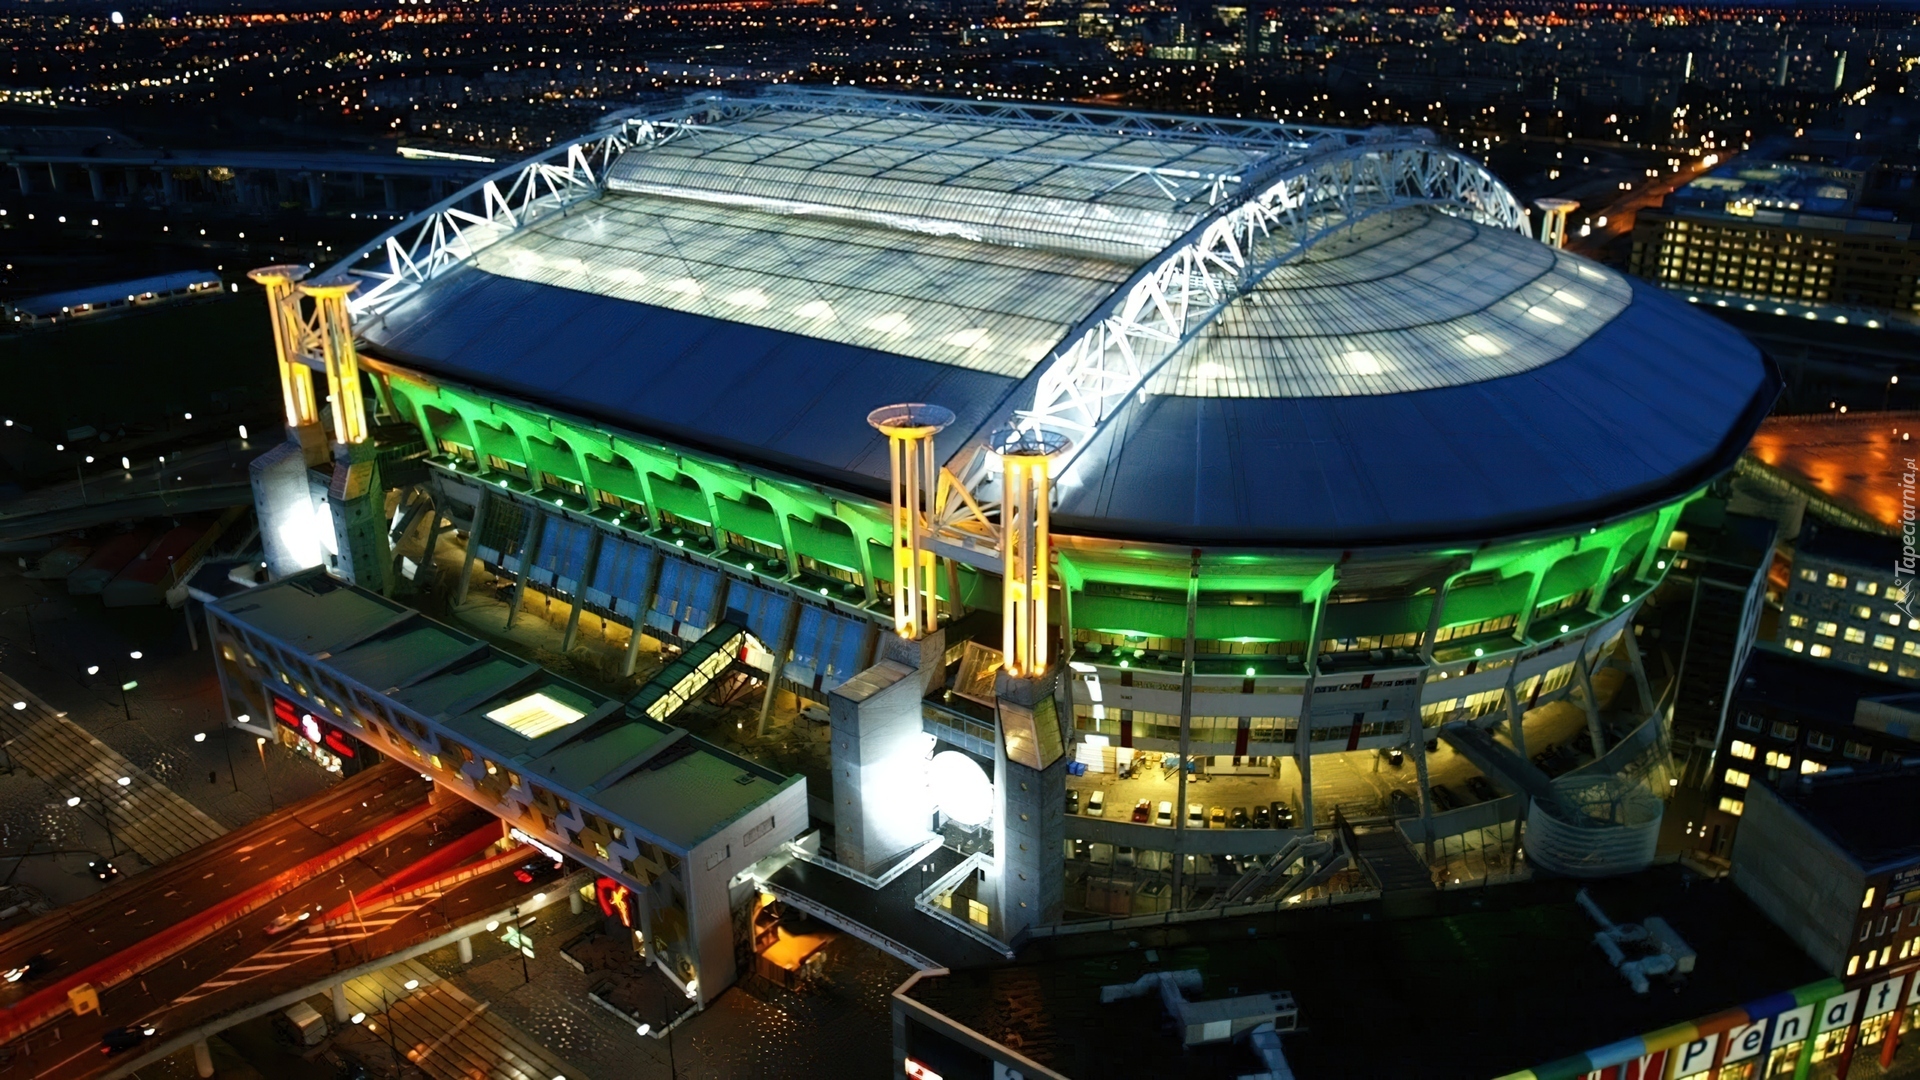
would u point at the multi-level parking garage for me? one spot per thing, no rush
(1018, 436)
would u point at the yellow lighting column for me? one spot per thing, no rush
(289, 327)
(910, 429)
(1553, 225)
(343, 362)
(1025, 486)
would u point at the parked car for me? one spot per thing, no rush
(535, 870)
(1240, 819)
(121, 1039)
(1395, 756)
(1073, 801)
(1482, 788)
(1123, 856)
(1402, 804)
(1097, 804)
(32, 969)
(287, 921)
(1282, 816)
(1444, 798)
(1142, 810)
(1196, 816)
(1217, 817)
(1263, 816)
(1164, 816)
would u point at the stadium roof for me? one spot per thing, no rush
(754, 284)
(114, 292)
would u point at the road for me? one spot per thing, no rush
(200, 478)
(240, 962)
(136, 908)
(1620, 211)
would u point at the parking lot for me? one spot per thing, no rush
(1362, 783)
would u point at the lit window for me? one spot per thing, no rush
(1826, 629)
(1741, 750)
(1855, 636)
(1778, 760)
(1853, 964)
(1808, 768)
(534, 715)
(1867, 588)
(1798, 622)
(1867, 900)
(1820, 651)
(1891, 618)
(1737, 778)
(1908, 671)
(1862, 611)
(1732, 806)
(1836, 581)
(1809, 575)
(1910, 647)
(1796, 644)
(1877, 665)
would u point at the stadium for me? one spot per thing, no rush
(1045, 449)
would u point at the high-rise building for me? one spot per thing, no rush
(1806, 229)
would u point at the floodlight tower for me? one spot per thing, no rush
(311, 514)
(1553, 226)
(1026, 489)
(915, 474)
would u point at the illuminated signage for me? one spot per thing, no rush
(544, 848)
(615, 899)
(311, 728)
(919, 1071)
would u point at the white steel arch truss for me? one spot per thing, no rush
(1112, 354)
(443, 237)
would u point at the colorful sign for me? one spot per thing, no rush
(1741, 1034)
(615, 899)
(312, 728)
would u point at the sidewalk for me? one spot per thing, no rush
(176, 697)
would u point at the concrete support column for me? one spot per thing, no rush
(1186, 736)
(473, 551)
(202, 1058)
(53, 178)
(647, 596)
(342, 1012)
(580, 588)
(574, 903)
(425, 572)
(464, 947)
(1647, 700)
(25, 177)
(392, 196)
(1419, 744)
(782, 653)
(529, 550)
(316, 192)
(97, 180)
(1593, 707)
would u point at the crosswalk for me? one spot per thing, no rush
(301, 947)
(145, 814)
(448, 1035)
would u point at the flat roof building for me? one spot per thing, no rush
(1834, 859)
(669, 816)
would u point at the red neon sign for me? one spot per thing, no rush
(614, 898)
(311, 728)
